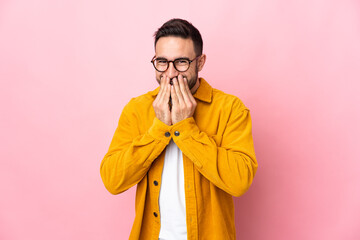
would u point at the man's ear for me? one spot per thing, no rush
(201, 62)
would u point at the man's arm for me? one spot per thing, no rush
(130, 154)
(230, 164)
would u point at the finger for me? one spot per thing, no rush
(188, 91)
(187, 96)
(163, 84)
(174, 97)
(159, 95)
(167, 90)
(177, 90)
(183, 83)
(186, 82)
(166, 95)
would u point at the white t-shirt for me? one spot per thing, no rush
(172, 196)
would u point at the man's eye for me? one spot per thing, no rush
(182, 61)
(161, 61)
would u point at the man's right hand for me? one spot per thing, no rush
(161, 102)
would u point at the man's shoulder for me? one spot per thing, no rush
(141, 104)
(227, 100)
(143, 99)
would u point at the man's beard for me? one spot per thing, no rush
(192, 82)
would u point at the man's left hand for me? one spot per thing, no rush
(183, 102)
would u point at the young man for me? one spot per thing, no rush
(186, 145)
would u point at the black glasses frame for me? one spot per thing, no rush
(173, 62)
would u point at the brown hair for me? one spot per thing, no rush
(181, 28)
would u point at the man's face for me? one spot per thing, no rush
(172, 48)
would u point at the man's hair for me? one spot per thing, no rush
(177, 27)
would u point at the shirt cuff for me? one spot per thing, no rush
(184, 129)
(160, 131)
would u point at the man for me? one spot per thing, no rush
(186, 145)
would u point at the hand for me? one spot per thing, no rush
(161, 102)
(183, 102)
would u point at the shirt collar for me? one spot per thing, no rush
(203, 93)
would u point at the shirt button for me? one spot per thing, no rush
(155, 214)
(167, 134)
(156, 183)
(177, 133)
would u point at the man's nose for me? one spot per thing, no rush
(171, 72)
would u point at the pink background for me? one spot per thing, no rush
(67, 68)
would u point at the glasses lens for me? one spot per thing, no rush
(182, 65)
(160, 64)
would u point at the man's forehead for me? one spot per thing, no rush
(174, 47)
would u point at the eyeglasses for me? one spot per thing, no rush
(180, 64)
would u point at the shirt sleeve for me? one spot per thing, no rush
(229, 162)
(130, 153)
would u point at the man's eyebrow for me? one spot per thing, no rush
(183, 58)
(162, 58)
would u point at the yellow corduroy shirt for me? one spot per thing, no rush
(218, 157)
